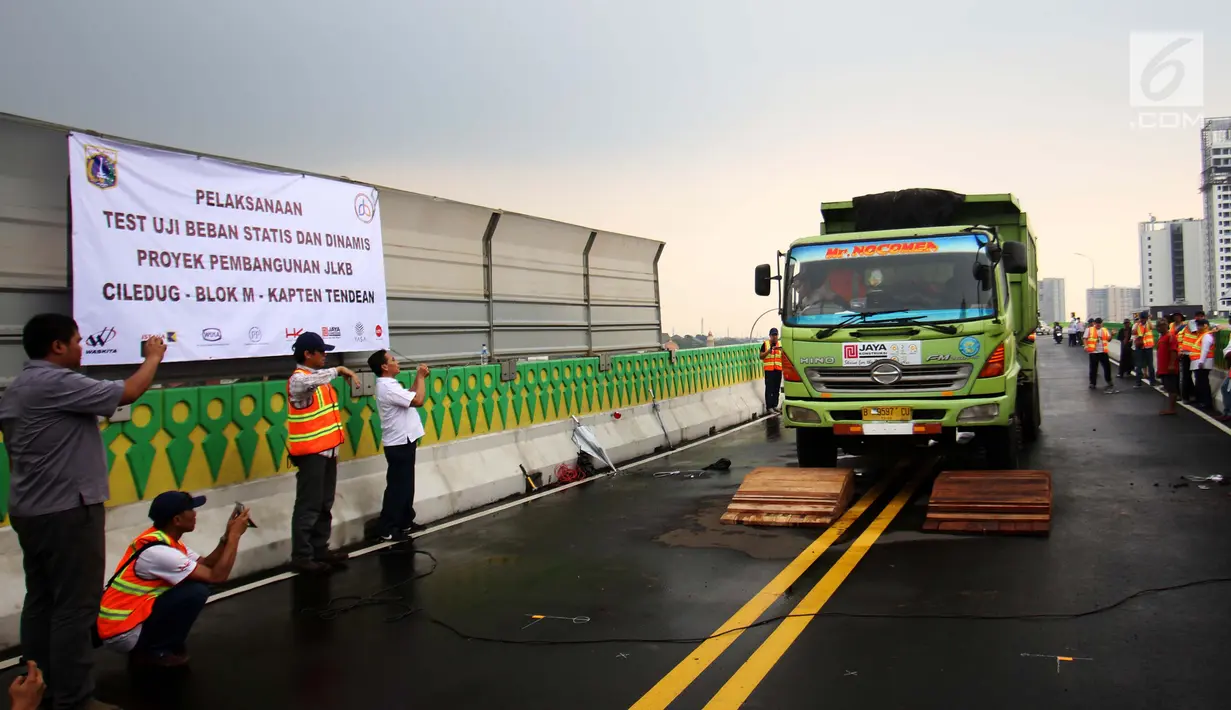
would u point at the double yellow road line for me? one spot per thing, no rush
(753, 671)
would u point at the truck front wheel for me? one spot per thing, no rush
(1028, 411)
(1003, 445)
(816, 448)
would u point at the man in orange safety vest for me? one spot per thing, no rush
(1098, 340)
(315, 436)
(771, 355)
(160, 585)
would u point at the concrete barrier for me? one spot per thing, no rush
(451, 477)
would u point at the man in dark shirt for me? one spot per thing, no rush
(58, 484)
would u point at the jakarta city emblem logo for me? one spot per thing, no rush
(101, 165)
(969, 346)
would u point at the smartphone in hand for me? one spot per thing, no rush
(239, 508)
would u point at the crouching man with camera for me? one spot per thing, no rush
(160, 586)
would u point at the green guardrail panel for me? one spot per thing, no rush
(354, 408)
(456, 376)
(531, 386)
(184, 401)
(215, 415)
(555, 374)
(246, 414)
(489, 375)
(543, 393)
(521, 391)
(274, 409)
(140, 455)
(472, 377)
(437, 394)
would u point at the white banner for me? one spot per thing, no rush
(223, 260)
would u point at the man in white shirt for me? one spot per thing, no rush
(160, 585)
(401, 429)
(1203, 364)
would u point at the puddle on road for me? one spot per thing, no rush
(707, 531)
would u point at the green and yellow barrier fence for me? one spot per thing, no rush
(194, 438)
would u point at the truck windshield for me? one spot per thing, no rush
(931, 277)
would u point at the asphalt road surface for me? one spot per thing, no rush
(630, 573)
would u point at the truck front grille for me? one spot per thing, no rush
(915, 378)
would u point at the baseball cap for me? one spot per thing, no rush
(311, 341)
(171, 503)
(773, 331)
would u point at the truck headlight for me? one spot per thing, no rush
(979, 413)
(800, 414)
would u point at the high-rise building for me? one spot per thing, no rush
(1051, 301)
(1174, 262)
(1113, 303)
(1216, 191)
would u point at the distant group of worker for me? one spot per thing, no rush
(59, 482)
(1184, 354)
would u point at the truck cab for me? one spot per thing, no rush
(910, 321)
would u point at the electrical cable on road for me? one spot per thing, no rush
(382, 597)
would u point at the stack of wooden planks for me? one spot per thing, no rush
(990, 501)
(791, 496)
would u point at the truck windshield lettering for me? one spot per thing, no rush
(933, 279)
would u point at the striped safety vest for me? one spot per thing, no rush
(1093, 335)
(773, 357)
(128, 599)
(317, 427)
(1194, 353)
(1146, 333)
(1187, 341)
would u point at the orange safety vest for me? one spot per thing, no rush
(1186, 340)
(1092, 337)
(773, 357)
(1194, 353)
(1146, 334)
(317, 427)
(128, 599)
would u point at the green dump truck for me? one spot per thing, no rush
(910, 321)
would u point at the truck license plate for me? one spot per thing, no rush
(886, 414)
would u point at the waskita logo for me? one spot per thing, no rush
(96, 343)
(101, 338)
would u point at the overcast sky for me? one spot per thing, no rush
(716, 126)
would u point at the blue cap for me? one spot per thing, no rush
(773, 331)
(311, 341)
(171, 503)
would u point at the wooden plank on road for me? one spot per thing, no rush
(991, 501)
(791, 496)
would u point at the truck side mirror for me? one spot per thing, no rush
(763, 275)
(1016, 260)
